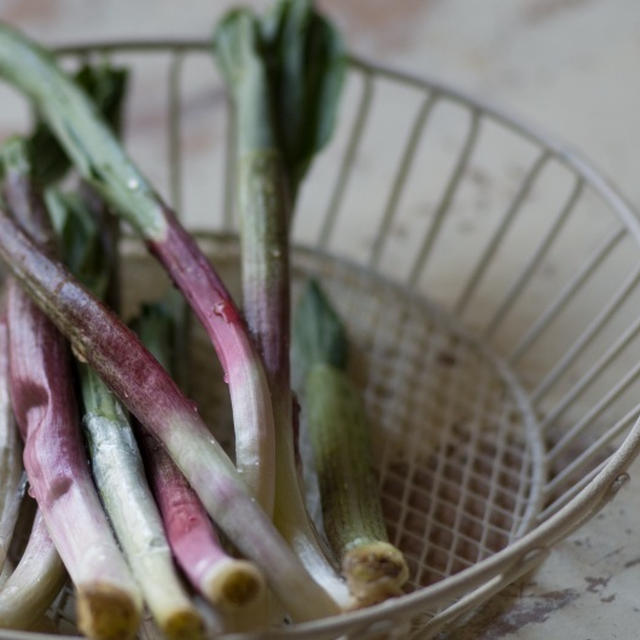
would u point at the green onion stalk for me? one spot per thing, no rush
(284, 75)
(341, 442)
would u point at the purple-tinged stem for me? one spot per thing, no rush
(250, 400)
(107, 598)
(224, 581)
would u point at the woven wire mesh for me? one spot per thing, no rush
(504, 408)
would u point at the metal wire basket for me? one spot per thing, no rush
(489, 277)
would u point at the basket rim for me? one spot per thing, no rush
(603, 486)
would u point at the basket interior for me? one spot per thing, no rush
(455, 443)
(456, 447)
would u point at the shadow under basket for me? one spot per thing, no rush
(489, 279)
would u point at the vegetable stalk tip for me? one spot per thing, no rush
(237, 584)
(184, 624)
(106, 613)
(375, 572)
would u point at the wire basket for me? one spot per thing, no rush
(489, 279)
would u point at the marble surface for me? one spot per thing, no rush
(568, 66)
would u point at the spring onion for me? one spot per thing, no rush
(340, 439)
(115, 458)
(108, 601)
(284, 74)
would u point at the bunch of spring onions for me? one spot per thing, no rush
(136, 498)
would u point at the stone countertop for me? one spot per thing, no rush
(568, 66)
(586, 590)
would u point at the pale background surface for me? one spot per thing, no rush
(569, 66)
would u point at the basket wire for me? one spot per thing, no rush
(517, 360)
